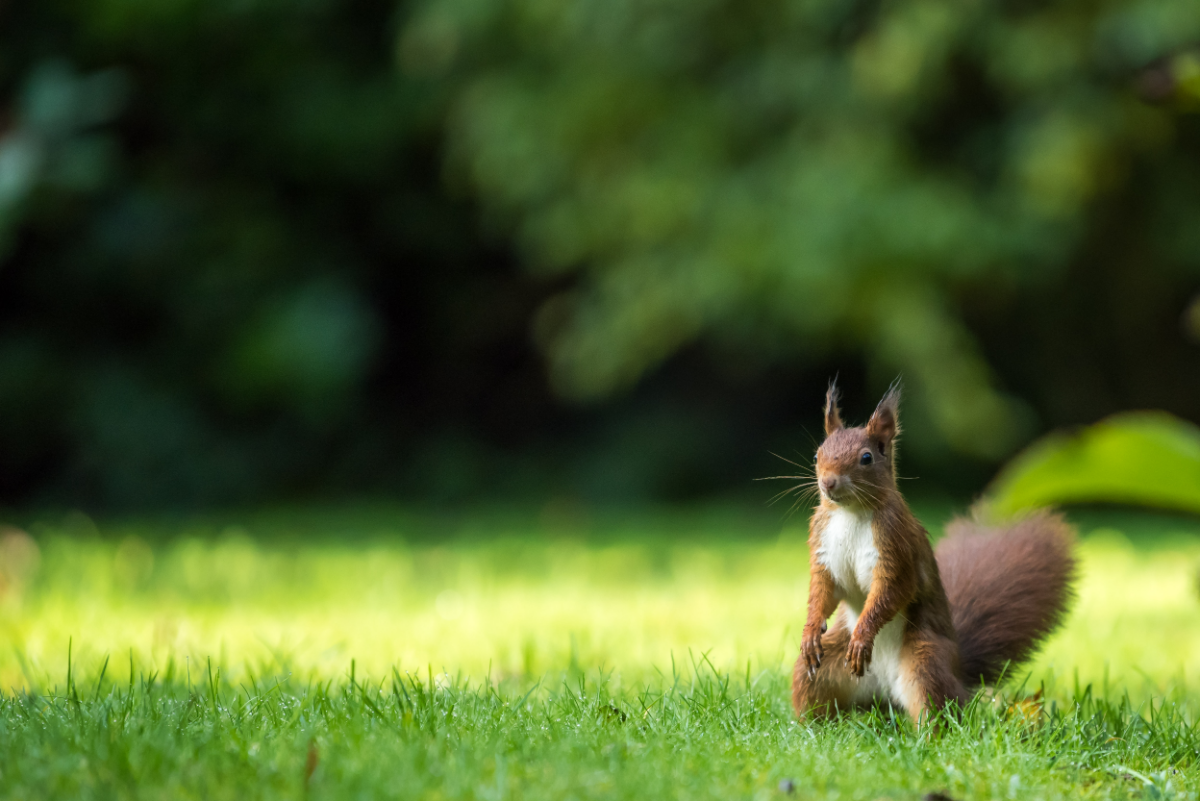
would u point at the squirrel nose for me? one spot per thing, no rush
(829, 483)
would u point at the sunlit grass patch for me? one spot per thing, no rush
(463, 602)
(412, 657)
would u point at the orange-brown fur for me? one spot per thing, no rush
(1028, 565)
(1002, 593)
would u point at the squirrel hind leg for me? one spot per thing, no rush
(831, 689)
(927, 678)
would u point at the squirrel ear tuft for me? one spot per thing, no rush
(833, 418)
(884, 424)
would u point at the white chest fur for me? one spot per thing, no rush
(848, 551)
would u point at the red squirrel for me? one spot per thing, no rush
(916, 628)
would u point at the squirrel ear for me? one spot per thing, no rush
(884, 424)
(833, 418)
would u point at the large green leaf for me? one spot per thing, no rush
(1144, 458)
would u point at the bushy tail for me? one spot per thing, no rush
(1008, 587)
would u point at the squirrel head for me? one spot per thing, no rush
(856, 466)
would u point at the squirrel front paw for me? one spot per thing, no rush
(858, 655)
(810, 647)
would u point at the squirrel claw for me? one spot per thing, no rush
(858, 657)
(811, 649)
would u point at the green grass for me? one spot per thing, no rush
(374, 653)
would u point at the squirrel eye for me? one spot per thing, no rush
(866, 458)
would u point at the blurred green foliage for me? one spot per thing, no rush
(262, 248)
(53, 142)
(790, 177)
(1144, 458)
(205, 208)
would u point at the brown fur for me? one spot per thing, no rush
(1008, 589)
(1003, 593)
(823, 693)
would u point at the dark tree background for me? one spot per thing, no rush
(460, 249)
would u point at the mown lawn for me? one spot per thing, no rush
(374, 652)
